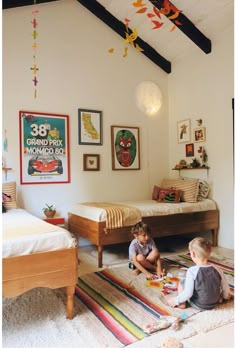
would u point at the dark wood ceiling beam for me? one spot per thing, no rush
(187, 27)
(99, 11)
(16, 3)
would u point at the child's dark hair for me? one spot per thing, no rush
(139, 228)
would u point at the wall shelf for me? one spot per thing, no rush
(198, 168)
(191, 168)
(6, 169)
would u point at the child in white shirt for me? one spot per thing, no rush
(143, 253)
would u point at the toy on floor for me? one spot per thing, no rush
(177, 323)
(171, 342)
(165, 322)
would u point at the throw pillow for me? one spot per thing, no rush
(155, 192)
(5, 198)
(9, 189)
(189, 188)
(203, 190)
(169, 195)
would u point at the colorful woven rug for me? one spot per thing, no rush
(126, 304)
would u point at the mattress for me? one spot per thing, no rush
(146, 207)
(23, 234)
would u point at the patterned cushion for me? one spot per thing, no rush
(203, 190)
(155, 192)
(9, 189)
(189, 188)
(169, 195)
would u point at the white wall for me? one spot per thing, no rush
(202, 86)
(77, 72)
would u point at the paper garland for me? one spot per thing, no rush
(34, 66)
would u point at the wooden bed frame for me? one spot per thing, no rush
(52, 269)
(161, 226)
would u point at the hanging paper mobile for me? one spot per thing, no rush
(168, 8)
(34, 66)
(130, 38)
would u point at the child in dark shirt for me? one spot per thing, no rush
(143, 254)
(205, 284)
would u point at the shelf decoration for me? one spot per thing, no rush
(34, 66)
(203, 155)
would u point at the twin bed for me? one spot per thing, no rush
(37, 254)
(90, 220)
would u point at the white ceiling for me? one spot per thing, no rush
(211, 17)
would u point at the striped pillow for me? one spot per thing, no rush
(9, 188)
(189, 188)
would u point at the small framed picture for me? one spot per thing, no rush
(184, 131)
(90, 127)
(189, 149)
(91, 162)
(199, 134)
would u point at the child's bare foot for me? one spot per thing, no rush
(136, 272)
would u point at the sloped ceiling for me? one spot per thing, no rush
(199, 24)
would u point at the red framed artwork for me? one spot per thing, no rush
(44, 148)
(189, 148)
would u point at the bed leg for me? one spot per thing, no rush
(70, 290)
(100, 256)
(214, 234)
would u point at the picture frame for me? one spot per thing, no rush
(199, 134)
(184, 131)
(125, 148)
(91, 162)
(189, 150)
(89, 127)
(44, 148)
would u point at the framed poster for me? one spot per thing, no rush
(199, 134)
(189, 150)
(91, 162)
(125, 148)
(44, 148)
(183, 131)
(90, 127)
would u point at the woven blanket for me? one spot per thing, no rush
(118, 215)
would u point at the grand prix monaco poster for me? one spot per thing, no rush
(44, 148)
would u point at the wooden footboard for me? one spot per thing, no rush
(52, 269)
(161, 226)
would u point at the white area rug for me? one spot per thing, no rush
(37, 319)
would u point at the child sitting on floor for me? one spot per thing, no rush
(205, 284)
(143, 253)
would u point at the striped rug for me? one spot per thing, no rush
(125, 303)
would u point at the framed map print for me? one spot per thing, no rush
(90, 127)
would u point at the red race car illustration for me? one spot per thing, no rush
(45, 164)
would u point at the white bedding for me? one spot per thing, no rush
(25, 234)
(147, 208)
